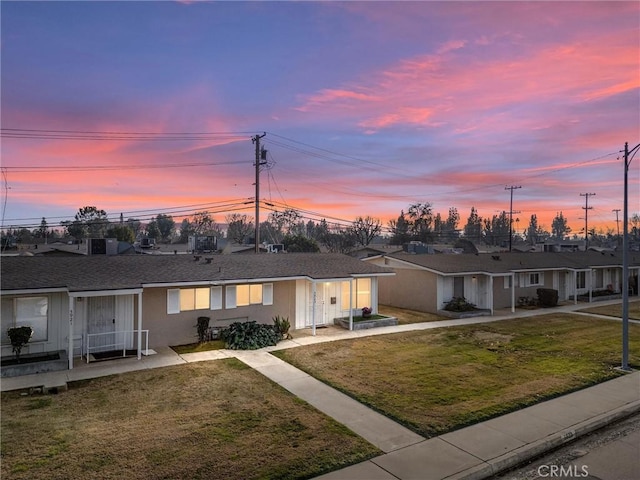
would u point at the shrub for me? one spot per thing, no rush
(203, 329)
(19, 337)
(547, 297)
(250, 336)
(282, 326)
(459, 304)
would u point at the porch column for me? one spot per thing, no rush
(575, 287)
(140, 326)
(590, 285)
(313, 308)
(513, 292)
(351, 304)
(491, 293)
(72, 308)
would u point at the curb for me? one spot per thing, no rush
(536, 449)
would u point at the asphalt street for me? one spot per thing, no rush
(612, 453)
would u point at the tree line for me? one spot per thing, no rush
(419, 223)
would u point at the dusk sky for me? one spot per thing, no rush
(143, 108)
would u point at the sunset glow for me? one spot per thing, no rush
(367, 107)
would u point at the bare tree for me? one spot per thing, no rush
(239, 227)
(365, 229)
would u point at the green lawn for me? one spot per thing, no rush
(209, 420)
(434, 381)
(615, 310)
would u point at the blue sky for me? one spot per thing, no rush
(368, 107)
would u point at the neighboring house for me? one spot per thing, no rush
(496, 281)
(92, 303)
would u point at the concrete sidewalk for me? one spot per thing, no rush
(474, 452)
(485, 449)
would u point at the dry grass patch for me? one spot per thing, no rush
(615, 310)
(406, 316)
(213, 420)
(434, 381)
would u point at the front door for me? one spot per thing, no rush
(101, 320)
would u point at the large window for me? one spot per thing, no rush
(248, 294)
(194, 299)
(361, 293)
(25, 311)
(189, 299)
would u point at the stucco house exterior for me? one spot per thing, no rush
(93, 303)
(496, 281)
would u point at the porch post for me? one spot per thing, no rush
(590, 285)
(350, 304)
(575, 287)
(313, 308)
(140, 325)
(513, 292)
(72, 307)
(491, 293)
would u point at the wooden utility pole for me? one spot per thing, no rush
(511, 212)
(617, 210)
(586, 209)
(259, 156)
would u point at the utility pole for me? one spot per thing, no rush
(260, 155)
(586, 209)
(511, 212)
(625, 258)
(617, 210)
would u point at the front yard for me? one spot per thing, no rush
(434, 381)
(222, 420)
(211, 420)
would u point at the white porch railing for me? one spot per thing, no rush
(114, 341)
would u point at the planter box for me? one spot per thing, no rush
(472, 313)
(364, 324)
(32, 365)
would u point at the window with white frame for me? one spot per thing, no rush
(26, 312)
(531, 279)
(508, 281)
(581, 280)
(361, 293)
(188, 299)
(249, 294)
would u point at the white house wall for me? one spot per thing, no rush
(57, 326)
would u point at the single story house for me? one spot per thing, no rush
(497, 280)
(93, 303)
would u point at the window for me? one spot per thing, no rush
(581, 280)
(508, 281)
(248, 295)
(26, 311)
(531, 279)
(361, 292)
(252, 294)
(188, 299)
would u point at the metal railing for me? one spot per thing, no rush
(115, 341)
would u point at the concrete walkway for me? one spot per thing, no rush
(474, 452)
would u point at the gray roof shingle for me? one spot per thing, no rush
(125, 272)
(502, 263)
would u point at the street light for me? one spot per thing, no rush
(625, 258)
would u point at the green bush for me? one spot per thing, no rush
(250, 336)
(282, 326)
(547, 297)
(459, 304)
(19, 337)
(203, 329)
